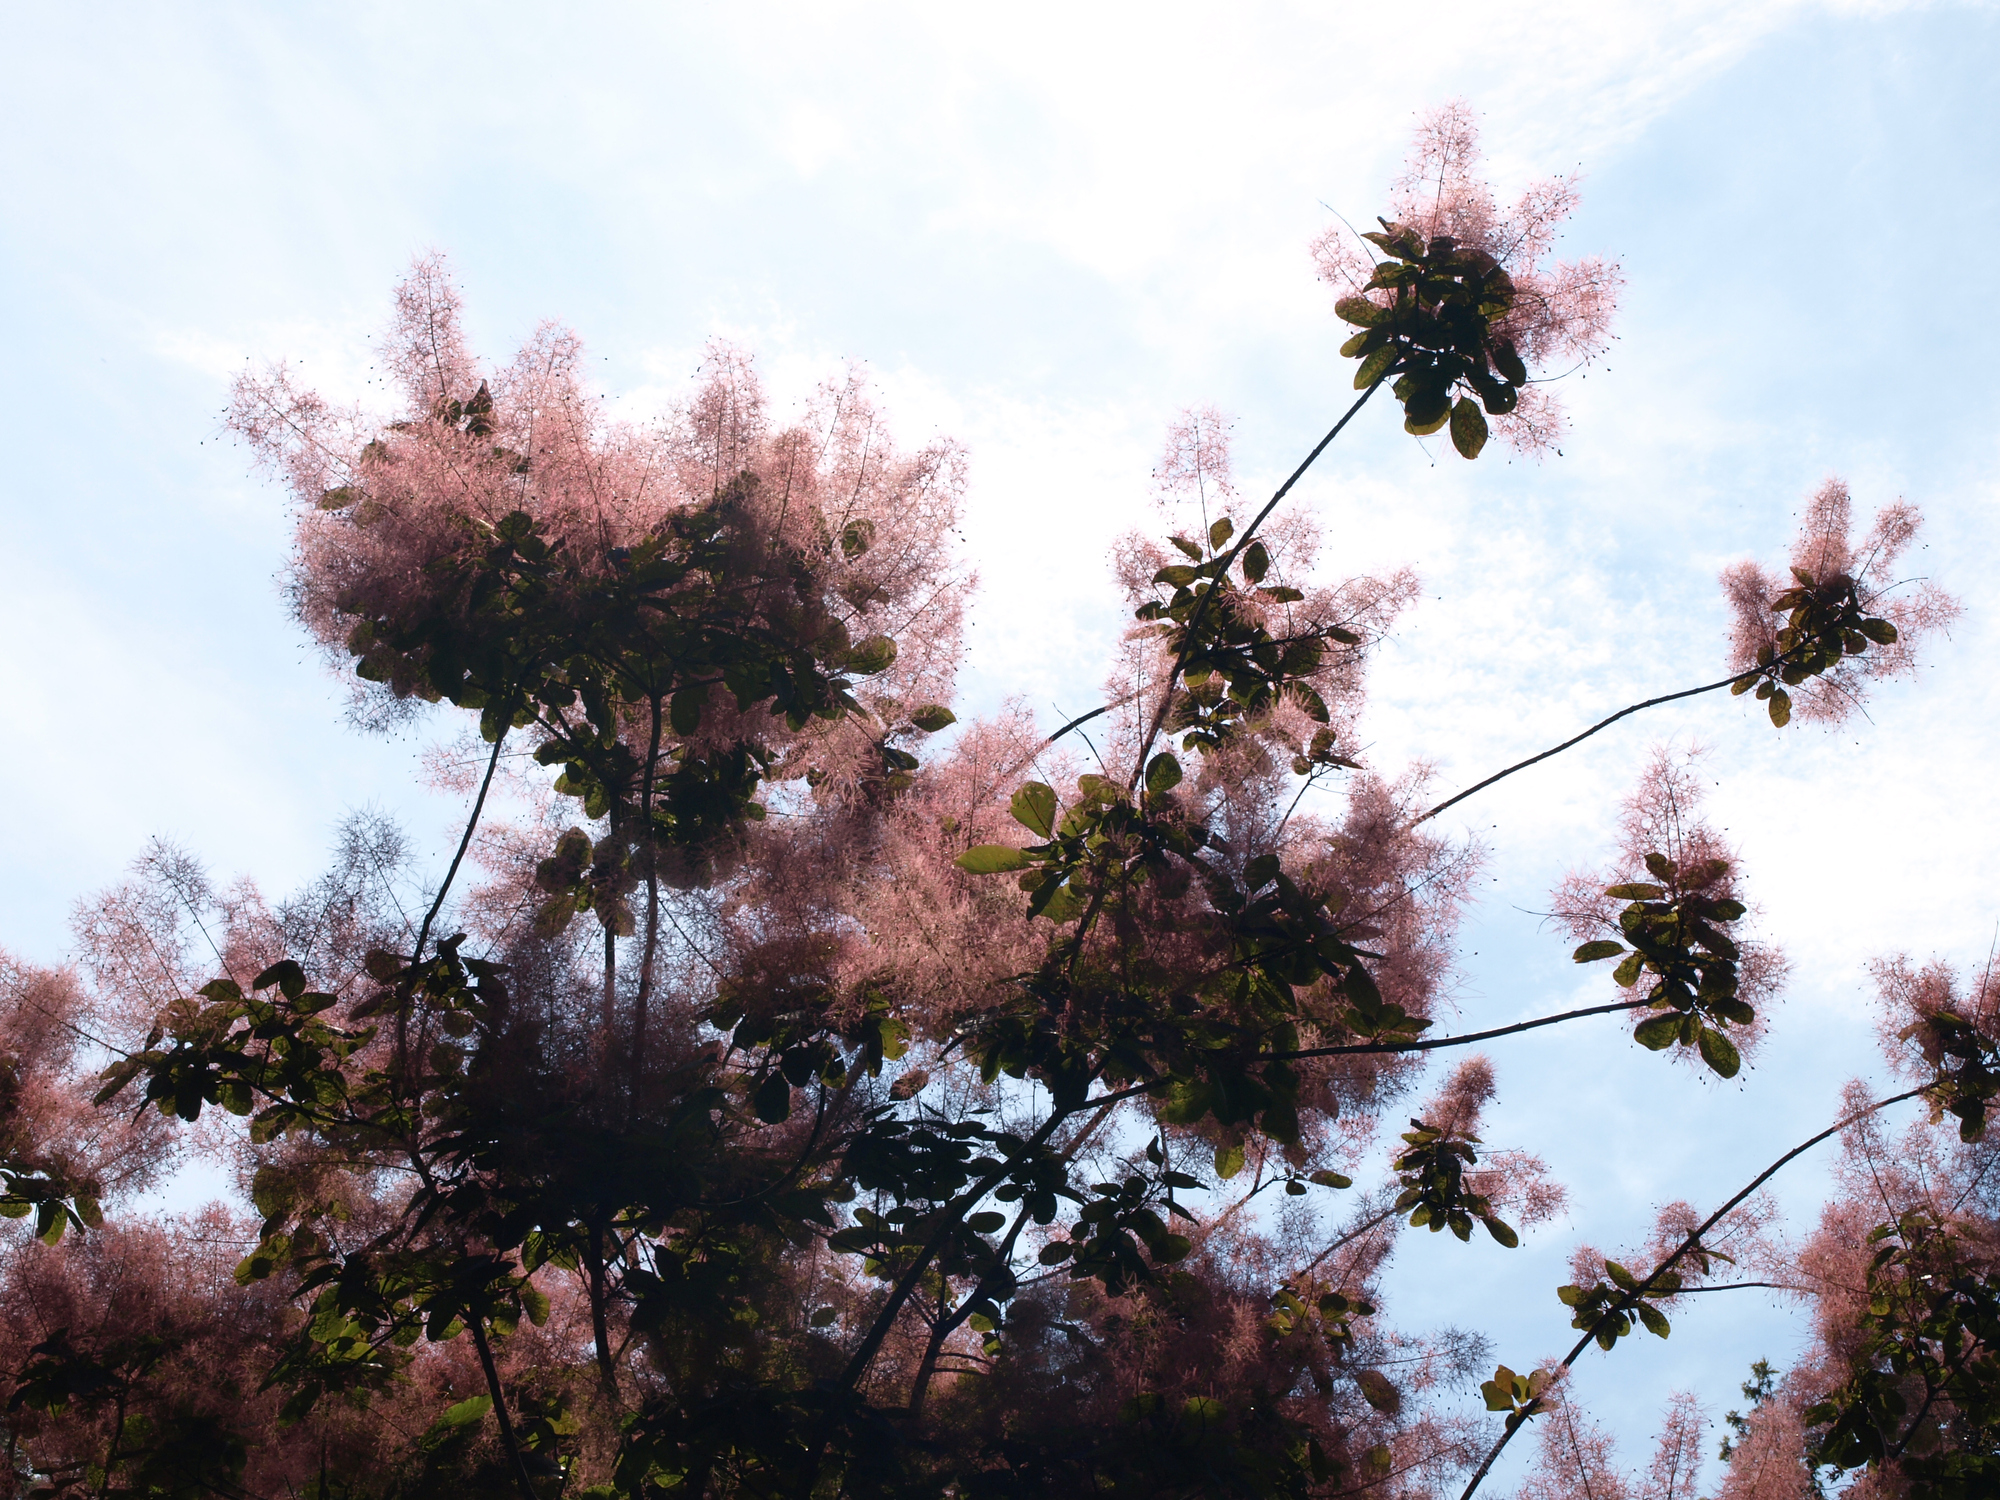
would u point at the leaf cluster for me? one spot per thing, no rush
(1431, 1168)
(1519, 1396)
(1438, 332)
(1676, 937)
(1233, 669)
(1923, 1385)
(1825, 622)
(1607, 1310)
(1967, 1060)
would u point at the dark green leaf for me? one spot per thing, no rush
(1719, 1052)
(1656, 1032)
(875, 654)
(1374, 367)
(774, 1100)
(933, 717)
(1881, 632)
(685, 713)
(1363, 312)
(1256, 562)
(1601, 948)
(1423, 415)
(1468, 427)
(1379, 1392)
(1163, 774)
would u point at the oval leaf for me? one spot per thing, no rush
(1360, 311)
(774, 1100)
(1375, 366)
(1379, 1391)
(1602, 948)
(1034, 808)
(465, 1413)
(685, 711)
(1468, 427)
(1657, 1032)
(991, 859)
(873, 655)
(1719, 1052)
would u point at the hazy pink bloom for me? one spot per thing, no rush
(1824, 551)
(1678, 1452)
(1517, 1183)
(1574, 1458)
(1906, 993)
(1663, 815)
(1562, 311)
(1768, 1463)
(1468, 1089)
(1194, 466)
(380, 495)
(47, 1075)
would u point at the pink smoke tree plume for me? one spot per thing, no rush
(1813, 642)
(1452, 251)
(786, 1089)
(1665, 910)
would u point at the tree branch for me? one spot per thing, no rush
(1632, 1298)
(1579, 739)
(1242, 541)
(1362, 1049)
(471, 825)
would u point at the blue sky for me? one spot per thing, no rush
(1044, 230)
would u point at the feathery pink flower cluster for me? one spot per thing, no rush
(1663, 815)
(1562, 311)
(1824, 551)
(380, 496)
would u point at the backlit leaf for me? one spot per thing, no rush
(991, 859)
(1034, 808)
(1468, 427)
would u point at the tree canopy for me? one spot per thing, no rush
(796, 1091)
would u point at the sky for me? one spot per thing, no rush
(1044, 231)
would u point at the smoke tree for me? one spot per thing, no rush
(787, 1090)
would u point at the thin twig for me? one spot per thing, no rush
(471, 825)
(1193, 630)
(1577, 740)
(1632, 1298)
(1431, 1044)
